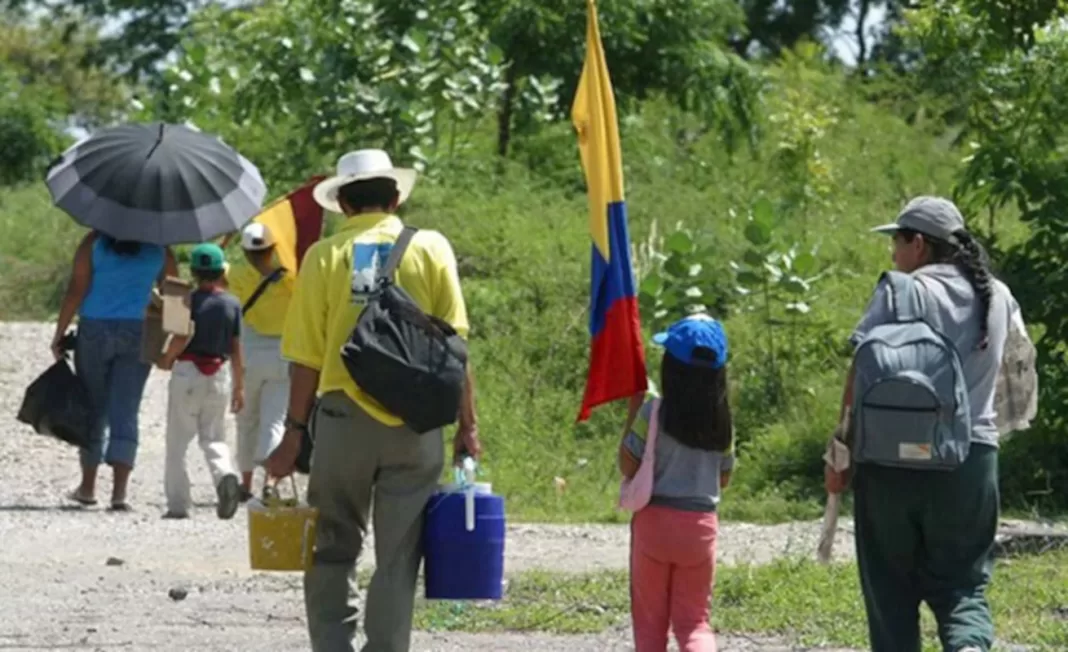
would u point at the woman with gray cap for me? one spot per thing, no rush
(923, 436)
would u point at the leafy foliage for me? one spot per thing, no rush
(45, 84)
(670, 47)
(776, 26)
(50, 61)
(330, 73)
(441, 83)
(677, 276)
(150, 30)
(779, 286)
(1015, 70)
(28, 139)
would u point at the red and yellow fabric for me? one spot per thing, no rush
(296, 222)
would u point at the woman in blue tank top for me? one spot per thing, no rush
(110, 288)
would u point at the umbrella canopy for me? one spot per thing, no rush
(156, 183)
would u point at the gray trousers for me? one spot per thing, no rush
(356, 461)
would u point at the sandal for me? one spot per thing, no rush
(76, 497)
(120, 507)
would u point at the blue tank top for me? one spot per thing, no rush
(121, 285)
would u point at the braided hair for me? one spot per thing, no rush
(964, 251)
(971, 261)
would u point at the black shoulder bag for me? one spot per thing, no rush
(413, 363)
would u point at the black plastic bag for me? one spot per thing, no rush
(58, 404)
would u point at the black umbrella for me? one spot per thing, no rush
(157, 183)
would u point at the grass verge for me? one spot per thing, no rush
(809, 604)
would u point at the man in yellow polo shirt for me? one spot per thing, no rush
(264, 289)
(363, 453)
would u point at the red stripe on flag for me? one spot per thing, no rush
(307, 215)
(613, 376)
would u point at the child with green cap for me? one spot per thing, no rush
(202, 387)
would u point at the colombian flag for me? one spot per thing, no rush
(617, 359)
(296, 221)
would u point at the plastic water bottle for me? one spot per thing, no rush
(469, 490)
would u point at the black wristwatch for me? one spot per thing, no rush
(293, 424)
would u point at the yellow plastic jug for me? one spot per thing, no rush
(281, 532)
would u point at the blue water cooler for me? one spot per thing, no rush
(463, 544)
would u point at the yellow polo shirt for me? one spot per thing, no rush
(268, 316)
(322, 312)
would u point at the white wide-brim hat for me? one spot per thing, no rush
(359, 166)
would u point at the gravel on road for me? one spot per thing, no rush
(87, 579)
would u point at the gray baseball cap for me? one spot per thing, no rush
(934, 216)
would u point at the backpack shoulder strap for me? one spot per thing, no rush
(905, 298)
(386, 272)
(654, 425)
(273, 277)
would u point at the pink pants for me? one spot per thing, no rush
(672, 568)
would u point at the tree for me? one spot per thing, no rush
(45, 87)
(1006, 65)
(670, 47)
(775, 26)
(150, 29)
(316, 75)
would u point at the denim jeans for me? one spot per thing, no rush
(108, 360)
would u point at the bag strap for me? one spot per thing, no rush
(904, 297)
(385, 273)
(654, 426)
(632, 415)
(261, 288)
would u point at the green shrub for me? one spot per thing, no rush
(520, 231)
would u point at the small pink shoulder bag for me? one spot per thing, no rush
(634, 494)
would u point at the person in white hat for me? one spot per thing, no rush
(364, 453)
(264, 289)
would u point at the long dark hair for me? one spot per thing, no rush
(695, 410)
(121, 247)
(964, 251)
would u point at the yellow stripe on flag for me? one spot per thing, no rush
(594, 116)
(279, 219)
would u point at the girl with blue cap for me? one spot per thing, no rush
(673, 536)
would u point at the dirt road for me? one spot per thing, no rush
(91, 580)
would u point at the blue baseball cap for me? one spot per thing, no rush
(687, 336)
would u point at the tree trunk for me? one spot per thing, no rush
(504, 114)
(863, 8)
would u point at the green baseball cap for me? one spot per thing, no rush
(208, 257)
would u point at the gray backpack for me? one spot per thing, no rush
(910, 401)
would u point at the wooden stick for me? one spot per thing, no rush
(829, 529)
(838, 457)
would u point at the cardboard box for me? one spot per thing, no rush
(176, 310)
(167, 315)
